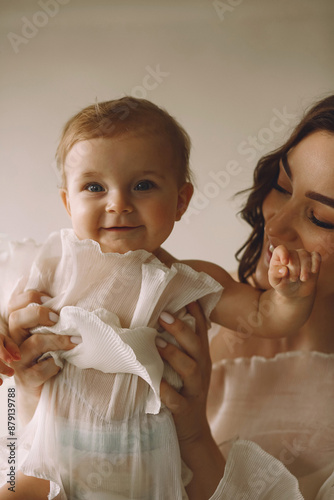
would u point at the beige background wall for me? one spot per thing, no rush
(235, 73)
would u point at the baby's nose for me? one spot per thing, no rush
(119, 202)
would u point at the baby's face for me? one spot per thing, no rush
(123, 192)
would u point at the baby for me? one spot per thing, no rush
(100, 431)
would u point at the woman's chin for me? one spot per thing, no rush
(261, 276)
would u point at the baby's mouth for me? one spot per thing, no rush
(121, 228)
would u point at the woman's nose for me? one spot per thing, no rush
(118, 202)
(281, 224)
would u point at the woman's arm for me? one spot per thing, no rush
(198, 448)
(247, 463)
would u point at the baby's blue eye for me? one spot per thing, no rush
(94, 188)
(144, 186)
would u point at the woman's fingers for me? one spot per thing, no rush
(26, 311)
(9, 351)
(31, 375)
(22, 300)
(185, 366)
(37, 374)
(172, 399)
(33, 372)
(201, 324)
(190, 340)
(192, 363)
(5, 370)
(22, 320)
(37, 345)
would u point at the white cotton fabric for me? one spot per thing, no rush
(100, 431)
(253, 474)
(280, 410)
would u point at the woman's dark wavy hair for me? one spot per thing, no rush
(319, 117)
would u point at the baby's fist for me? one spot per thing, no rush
(294, 272)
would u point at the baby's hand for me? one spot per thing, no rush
(294, 273)
(9, 352)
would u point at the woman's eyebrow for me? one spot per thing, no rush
(321, 198)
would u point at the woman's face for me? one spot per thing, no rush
(299, 210)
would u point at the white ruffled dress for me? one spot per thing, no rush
(99, 431)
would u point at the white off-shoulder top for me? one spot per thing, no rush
(274, 421)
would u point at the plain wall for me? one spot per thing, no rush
(237, 75)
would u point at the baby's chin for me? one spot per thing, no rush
(122, 249)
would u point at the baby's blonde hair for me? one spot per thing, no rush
(121, 116)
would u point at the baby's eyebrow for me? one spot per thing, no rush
(88, 174)
(153, 172)
(91, 175)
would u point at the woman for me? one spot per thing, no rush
(282, 400)
(276, 394)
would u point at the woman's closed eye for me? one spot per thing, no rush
(311, 216)
(320, 223)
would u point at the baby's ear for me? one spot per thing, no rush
(64, 197)
(184, 197)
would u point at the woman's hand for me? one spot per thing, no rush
(31, 375)
(198, 449)
(9, 352)
(26, 311)
(194, 367)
